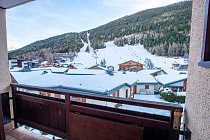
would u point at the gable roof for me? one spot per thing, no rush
(84, 72)
(98, 83)
(130, 61)
(100, 67)
(92, 81)
(146, 79)
(77, 65)
(166, 80)
(12, 3)
(151, 72)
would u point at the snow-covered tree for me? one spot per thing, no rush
(103, 63)
(87, 49)
(148, 64)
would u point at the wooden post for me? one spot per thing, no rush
(174, 134)
(14, 106)
(67, 104)
(2, 134)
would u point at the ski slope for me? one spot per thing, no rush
(115, 55)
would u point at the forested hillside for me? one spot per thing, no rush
(163, 31)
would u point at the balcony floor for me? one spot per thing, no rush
(21, 134)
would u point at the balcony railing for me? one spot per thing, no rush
(70, 119)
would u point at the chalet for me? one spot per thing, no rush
(97, 67)
(183, 67)
(71, 66)
(175, 65)
(47, 64)
(177, 83)
(179, 66)
(30, 64)
(146, 84)
(130, 65)
(76, 66)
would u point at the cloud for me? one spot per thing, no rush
(136, 5)
(41, 19)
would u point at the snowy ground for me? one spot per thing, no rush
(115, 55)
(155, 98)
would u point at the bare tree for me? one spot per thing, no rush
(148, 64)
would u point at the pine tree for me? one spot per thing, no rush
(87, 49)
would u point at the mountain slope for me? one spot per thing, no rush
(162, 31)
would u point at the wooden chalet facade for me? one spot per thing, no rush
(130, 66)
(177, 66)
(71, 66)
(96, 68)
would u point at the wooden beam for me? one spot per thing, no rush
(14, 106)
(2, 134)
(67, 106)
(91, 128)
(125, 118)
(143, 103)
(40, 100)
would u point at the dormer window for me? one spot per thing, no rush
(205, 56)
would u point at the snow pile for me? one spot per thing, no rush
(181, 93)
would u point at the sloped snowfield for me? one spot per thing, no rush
(115, 55)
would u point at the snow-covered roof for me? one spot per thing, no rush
(41, 69)
(44, 62)
(181, 93)
(153, 71)
(146, 79)
(100, 84)
(130, 61)
(180, 63)
(15, 69)
(23, 77)
(78, 65)
(103, 68)
(170, 79)
(84, 72)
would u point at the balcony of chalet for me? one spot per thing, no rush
(69, 119)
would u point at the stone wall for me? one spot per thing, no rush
(4, 64)
(197, 113)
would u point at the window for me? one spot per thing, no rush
(146, 86)
(205, 56)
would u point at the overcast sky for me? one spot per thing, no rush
(41, 19)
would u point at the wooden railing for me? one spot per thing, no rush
(75, 120)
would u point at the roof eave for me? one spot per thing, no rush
(7, 4)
